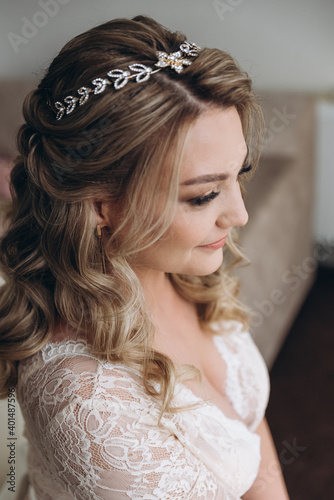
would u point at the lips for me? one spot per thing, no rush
(216, 244)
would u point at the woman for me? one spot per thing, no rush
(120, 325)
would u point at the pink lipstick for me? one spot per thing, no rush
(216, 244)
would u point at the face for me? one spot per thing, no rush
(209, 202)
(209, 199)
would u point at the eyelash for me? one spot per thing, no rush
(202, 200)
(244, 170)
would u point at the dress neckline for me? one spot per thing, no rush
(80, 346)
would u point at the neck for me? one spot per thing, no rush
(167, 308)
(156, 286)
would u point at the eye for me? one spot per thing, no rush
(202, 200)
(245, 169)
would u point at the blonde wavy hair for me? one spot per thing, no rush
(117, 147)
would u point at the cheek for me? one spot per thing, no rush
(189, 229)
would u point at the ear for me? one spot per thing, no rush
(102, 214)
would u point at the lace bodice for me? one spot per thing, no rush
(93, 432)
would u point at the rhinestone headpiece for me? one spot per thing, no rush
(140, 72)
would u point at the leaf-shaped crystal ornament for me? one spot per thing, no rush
(84, 92)
(122, 77)
(143, 72)
(100, 84)
(72, 102)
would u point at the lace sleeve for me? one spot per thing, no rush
(100, 439)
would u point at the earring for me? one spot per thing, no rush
(99, 234)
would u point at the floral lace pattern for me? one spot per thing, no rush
(93, 432)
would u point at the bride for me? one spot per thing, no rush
(120, 323)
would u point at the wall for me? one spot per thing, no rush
(284, 45)
(324, 213)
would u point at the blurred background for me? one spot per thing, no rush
(287, 48)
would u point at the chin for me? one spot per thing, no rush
(207, 273)
(205, 268)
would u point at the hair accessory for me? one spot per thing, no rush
(99, 235)
(140, 72)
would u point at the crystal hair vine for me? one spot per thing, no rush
(140, 72)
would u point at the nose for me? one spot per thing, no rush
(234, 212)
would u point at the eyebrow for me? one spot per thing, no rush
(203, 179)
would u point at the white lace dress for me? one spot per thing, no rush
(93, 433)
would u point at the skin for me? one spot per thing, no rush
(216, 148)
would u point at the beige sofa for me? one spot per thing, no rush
(278, 237)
